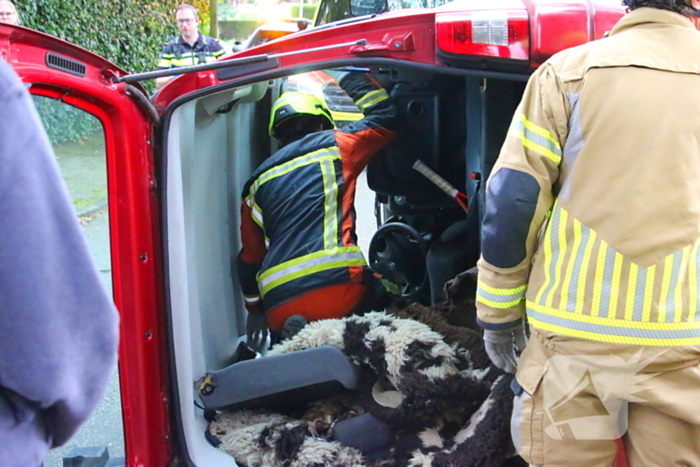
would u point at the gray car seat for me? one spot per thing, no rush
(287, 381)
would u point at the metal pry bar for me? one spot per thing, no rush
(430, 174)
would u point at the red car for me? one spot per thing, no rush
(176, 168)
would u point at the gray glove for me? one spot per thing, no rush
(502, 344)
(256, 332)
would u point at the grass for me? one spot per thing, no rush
(84, 169)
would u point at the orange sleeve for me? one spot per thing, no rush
(252, 253)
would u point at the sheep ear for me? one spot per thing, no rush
(472, 273)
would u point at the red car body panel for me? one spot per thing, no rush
(134, 228)
(135, 221)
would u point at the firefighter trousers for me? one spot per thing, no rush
(575, 398)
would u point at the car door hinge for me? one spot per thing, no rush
(390, 42)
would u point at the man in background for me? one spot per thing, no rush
(58, 326)
(191, 47)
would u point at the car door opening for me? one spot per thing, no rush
(213, 143)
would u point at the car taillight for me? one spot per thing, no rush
(502, 34)
(337, 100)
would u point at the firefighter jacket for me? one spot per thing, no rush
(298, 217)
(592, 219)
(178, 53)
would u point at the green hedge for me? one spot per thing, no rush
(309, 11)
(65, 123)
(129, 33)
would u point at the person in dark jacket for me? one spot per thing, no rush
(58, 326)
(300, 255)
(191, 47)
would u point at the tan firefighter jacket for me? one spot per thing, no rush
(592, 219)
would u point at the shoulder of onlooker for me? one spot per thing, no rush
(9, 81)
(213, 43)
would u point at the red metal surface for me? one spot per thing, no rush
(134, 229)
(409, 37)
(556, 25)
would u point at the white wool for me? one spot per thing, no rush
(327, 453)
(406, 332)
(470, 429)
(420, 459)
(314, 334)
(431, 438)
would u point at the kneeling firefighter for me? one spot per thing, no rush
(299, 255)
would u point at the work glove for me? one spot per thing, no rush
(256, 329)
(501, 346)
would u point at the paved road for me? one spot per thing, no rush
(105, 426)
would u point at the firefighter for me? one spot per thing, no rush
(191, 47)
(299, 259)
(592, 234)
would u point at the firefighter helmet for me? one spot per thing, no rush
(295, 104)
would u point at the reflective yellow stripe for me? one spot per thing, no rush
(330, 217)
(693, 283)
(499, 297)
(255, 211)
(164, 64)
(371, 98)
(309, 264)
(332, 153)
(570, 267)
(563, 216)
(665, 285)
(583, 280)
(613, 330)
(547, 258)
(538, 139)
(631, 289)
(649, 293)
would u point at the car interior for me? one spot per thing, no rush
(453, 122)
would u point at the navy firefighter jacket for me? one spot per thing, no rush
(298, 215)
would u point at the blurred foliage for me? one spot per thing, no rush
(65, 123)
(309, 11)
(129, 33)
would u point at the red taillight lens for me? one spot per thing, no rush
(502, 34)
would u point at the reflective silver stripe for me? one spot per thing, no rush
(556, 251)
(330, 218)
(614, 330)
(574, 142)
(252, 299)
(573, 297)
(671, 299)
(500, 298)
(606, 292)
(315, 262)
(640, 287)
